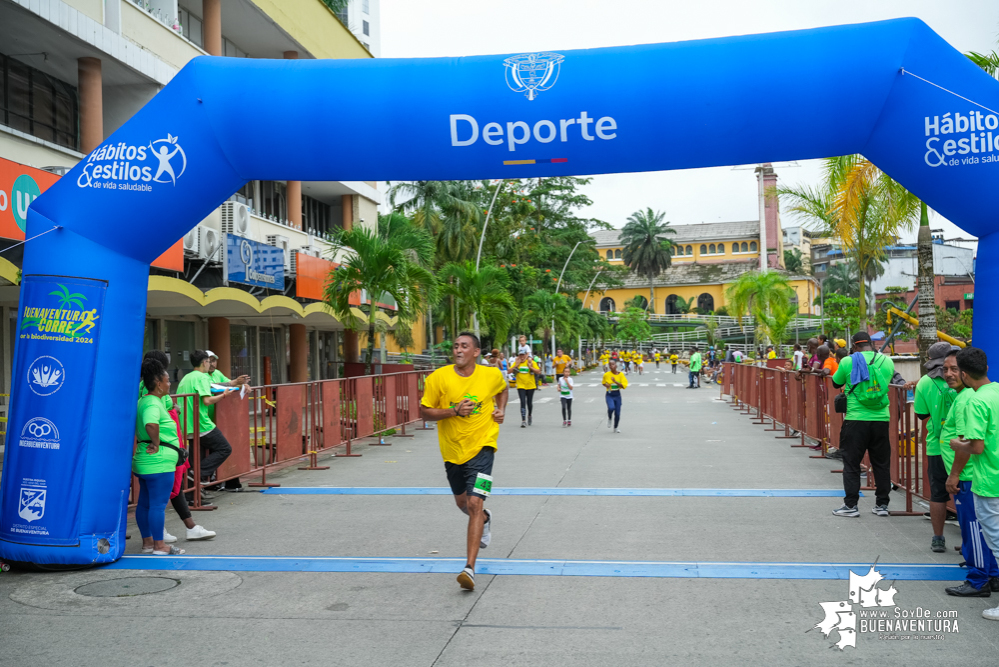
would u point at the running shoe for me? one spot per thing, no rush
(168, 538)
(529, 420)
(994, 584)
(992, 613)
(199, 533)
(966, 590)
(880, 510)
(846, 510)
(487, 530)
(568, 423)
(174, 551)
(610, 423)
(523, 424)
(617, 430)
(467, 579)
(938, 545)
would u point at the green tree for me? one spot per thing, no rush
(842, 279)
(446, 209)
(637, 301)
(861, 206)
(683, 306)
(793, 260)
(390, 262)
(956, 323)
(646, 252)
(632, 327)
(544, 308)
(842, 315)
(763, 295)
(479, 292)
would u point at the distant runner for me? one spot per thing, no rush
(674, 359)
(565, 387)
(614, 382)
(469, 401)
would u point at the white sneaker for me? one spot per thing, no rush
(610, 423)
(168, 538)
(992, 613)
(617, 430)
(487, 530)
(199, 533)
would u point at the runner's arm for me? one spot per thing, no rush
(967, 446)
(501, 400)
(436, 414)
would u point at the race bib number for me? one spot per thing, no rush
(483, 484)
(614, 386)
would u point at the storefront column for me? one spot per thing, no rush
(299, 357)
(348, 212)
(212, 26)
(294, 191)
(91, 91)
(219, 342)
(350, 346)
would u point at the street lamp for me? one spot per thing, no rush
(482, 238)
(557, 286)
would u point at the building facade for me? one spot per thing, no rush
(707, 258)
(73, 71)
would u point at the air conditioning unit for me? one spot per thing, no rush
(311, 251)
(235, 218)
(192, 242)
(279, 241)
(292, 269)
(208, 245)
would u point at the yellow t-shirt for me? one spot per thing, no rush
(673, 358)
(616, 380)
(771, 355)
(524, 373)
(561, 363)
(657, 356)
(604, 359)
(461, 438)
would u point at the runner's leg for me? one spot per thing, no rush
(568, 408)
(522, 394)
(617, 410)
(530, 401)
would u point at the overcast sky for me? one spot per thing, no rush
(429, 28)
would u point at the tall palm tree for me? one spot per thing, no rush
(761, 294)
(842, 279)
(858, 204)
(449, 210)
(390, 262)
(646, 252)
(924, 287)
(481, 292)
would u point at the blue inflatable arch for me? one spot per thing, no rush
(894, 91)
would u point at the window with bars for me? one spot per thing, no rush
(37, 104)
(317, 217)
(366, 27)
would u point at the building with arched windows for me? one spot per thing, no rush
(706, 258)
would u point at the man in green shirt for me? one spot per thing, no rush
(983, 573)
(866, 376)
(932, 401)
(218, 377)
(695, 368)
(199, 382)
(981, 444)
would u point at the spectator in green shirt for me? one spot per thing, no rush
(981, 443)
(932, 402)
(199, 382)
(866, 376)
(695, 368)
(983, 573)
(218, 377)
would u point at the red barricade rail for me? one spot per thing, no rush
(276, 425)
(804, 404)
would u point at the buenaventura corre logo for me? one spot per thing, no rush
(124, 166)
(872, 610)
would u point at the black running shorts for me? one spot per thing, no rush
(474, 476)
(938, 480)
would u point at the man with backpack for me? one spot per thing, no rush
(865, 376)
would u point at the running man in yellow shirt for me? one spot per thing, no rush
(614, 382)
(469, 401)
(561, 360)
(674, 359)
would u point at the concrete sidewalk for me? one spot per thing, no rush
(672, 438)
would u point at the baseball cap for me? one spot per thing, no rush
(211, 354)
(840, 342)
(936, 354)
(861, 337)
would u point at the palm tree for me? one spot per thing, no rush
(762, 294)
(447, 209)
(924, 286)
(987, 61)
(646, 252)
(480, 292)
(861, 206)
(388, 263)
(542, 308)
(683, 306)
(842, 279)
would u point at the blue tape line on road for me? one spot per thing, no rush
(565, 568)
(541, 491)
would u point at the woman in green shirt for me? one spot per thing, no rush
(155, 459)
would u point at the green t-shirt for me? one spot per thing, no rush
(198, 383)
(695, 362)
(980, 419)
(167, 401)
(933, 398)
(881, 369)
(217, 378)
(151, 411)
(951, 427)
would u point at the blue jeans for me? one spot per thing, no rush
(154, 494)
(614, 406)
(693, 377)
(978, 556)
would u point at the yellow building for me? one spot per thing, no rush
(707, 258)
